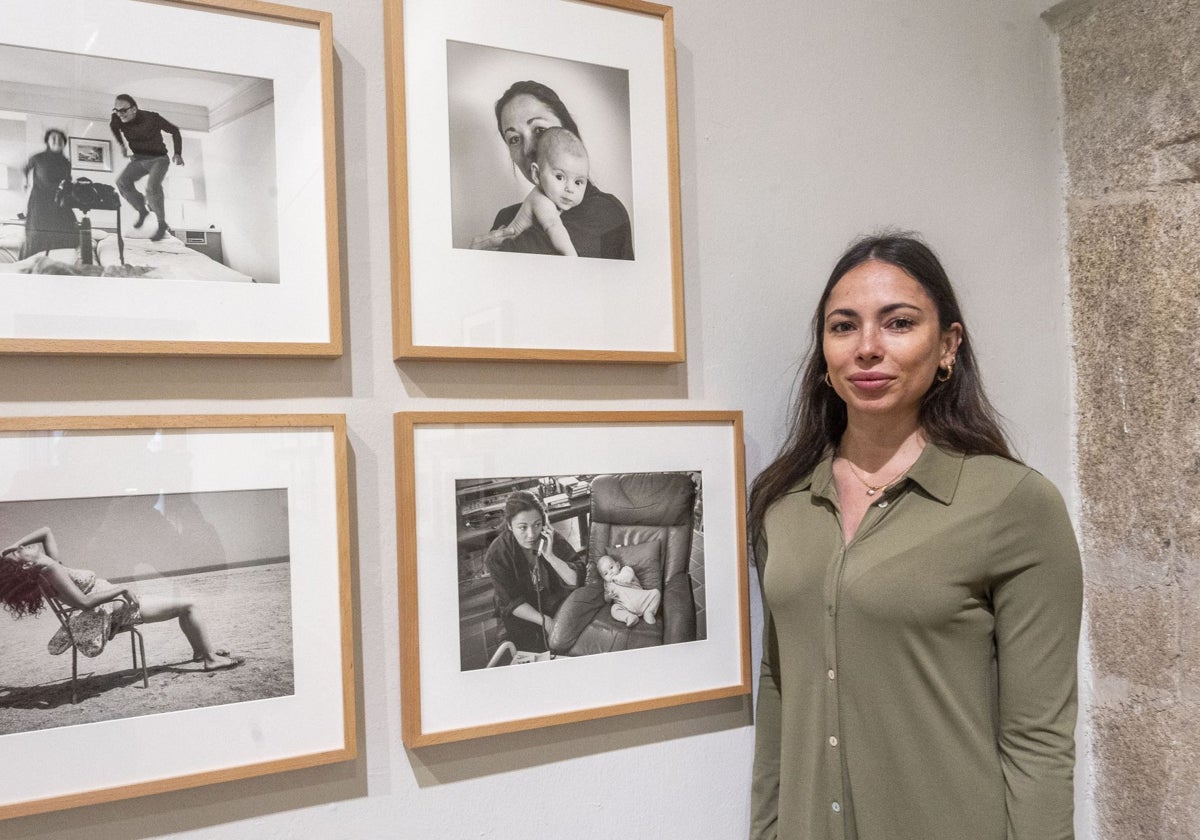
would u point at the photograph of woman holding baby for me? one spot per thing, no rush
(565, 214)
(514, 144)
(559, 181)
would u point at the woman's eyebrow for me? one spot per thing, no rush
(883, 310)
(892, 307)
(529, 121)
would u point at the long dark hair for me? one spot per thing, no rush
(954, 414)
(19, 589)
(544, 95)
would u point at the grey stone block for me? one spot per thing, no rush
(1131, 94)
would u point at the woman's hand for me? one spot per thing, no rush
(132, 597)
(566, 573)
(490, 241)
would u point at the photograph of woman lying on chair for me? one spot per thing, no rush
(143, 604)
(31, 573)
(533, 550)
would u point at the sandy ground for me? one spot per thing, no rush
(247, 611)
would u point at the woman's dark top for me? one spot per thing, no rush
(598, 226)
(513, 583)
(46, 224)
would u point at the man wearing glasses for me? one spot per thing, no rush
(140, 136)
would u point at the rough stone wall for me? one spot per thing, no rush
(1131, 85)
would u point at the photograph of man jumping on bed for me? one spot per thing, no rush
(139, 135)
(217, 219)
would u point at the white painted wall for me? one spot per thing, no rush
(802, 123)
(241, 193)
(13, 156)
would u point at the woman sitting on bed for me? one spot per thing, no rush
(31, 563)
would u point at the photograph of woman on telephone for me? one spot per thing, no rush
(533, 569)
(532, 553)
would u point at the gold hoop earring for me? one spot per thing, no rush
(949, 372)
(828, 381)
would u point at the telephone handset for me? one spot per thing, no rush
(541, 546)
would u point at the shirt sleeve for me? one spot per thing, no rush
(1037, 598)
(768, 728)
(505, 581)
(114, 125)
(576, 559)
(172, 129)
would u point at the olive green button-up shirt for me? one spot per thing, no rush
(919, 683)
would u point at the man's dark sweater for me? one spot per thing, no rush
(143, 134)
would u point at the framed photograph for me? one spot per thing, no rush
(535, 181)
(177, 603)
(90, 153)
(201, 214)
(603, 551)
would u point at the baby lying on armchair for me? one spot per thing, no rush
(622, 588)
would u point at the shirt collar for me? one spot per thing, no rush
(936, 471)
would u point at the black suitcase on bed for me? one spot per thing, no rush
(85, 195)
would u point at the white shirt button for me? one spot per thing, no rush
(883, 504)
(836, 807)
(833, 740)
(830, 673)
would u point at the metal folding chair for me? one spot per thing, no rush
(63, 613)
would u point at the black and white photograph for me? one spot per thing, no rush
(574, 565)
(540, 154)
(174, 606)
(121, 606)
(520, 134)
(169, 172)
(90, 153)
(562, 566)
(162, 197)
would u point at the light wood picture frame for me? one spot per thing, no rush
(469, 283)
(246, 519)
(228, 241)
(660, 492)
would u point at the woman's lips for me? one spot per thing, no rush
(870, 381)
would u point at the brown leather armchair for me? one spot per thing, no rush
(645, 520)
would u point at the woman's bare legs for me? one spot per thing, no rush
(157, 608)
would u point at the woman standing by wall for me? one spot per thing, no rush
(921, 587)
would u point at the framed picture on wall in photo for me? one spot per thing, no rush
(199, 214)
(602, 551)
(535, 180)
(176, 603)
(90, 153)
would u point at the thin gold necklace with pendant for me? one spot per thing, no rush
(872, 489)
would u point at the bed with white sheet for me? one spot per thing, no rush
(167, 258)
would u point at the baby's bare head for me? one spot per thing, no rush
(607, 567)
